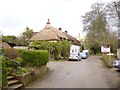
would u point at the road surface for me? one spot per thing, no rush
(89, 73)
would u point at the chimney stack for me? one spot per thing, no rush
(48, 21)
(66, 31)
(60, 29)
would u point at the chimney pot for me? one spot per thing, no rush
(48, 21)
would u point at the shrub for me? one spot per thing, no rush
(35, 57)
(20, 51)
(4, 72)
(55, 49)
(20, 71)
(108, 60)
(65, 49)
(11, 53)
(12, 63)
(20, 60)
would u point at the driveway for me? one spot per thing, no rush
(88, 73)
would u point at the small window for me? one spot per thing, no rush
(60, 38)
(72, 50)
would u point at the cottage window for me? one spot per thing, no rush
(64, 38)
(60, 38)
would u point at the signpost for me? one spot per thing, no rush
(105, 49)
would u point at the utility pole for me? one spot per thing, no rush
(117, 7)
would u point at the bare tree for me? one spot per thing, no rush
(97, 28)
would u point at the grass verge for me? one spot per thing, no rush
(108, 60)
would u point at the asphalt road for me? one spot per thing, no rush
(89, 73)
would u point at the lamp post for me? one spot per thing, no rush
(117, 7)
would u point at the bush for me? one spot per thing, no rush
(108, 61)
(11, 53)
(12, 63)
(99, 54)
(35, 57)
(20, 51)
(20, 71)
(55, 49)
(20, 60)
(65, 49)
(4, 72)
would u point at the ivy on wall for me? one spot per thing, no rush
(56, 49)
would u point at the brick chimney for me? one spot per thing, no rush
(66, 31)
(60, 29)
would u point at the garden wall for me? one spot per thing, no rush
(32, 75)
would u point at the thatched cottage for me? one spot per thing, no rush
(49, 33)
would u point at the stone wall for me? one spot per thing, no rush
(33, 74)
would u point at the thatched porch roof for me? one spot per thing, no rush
(4, 45)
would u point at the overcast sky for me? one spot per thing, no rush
(15, 15)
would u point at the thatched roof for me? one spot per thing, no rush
(72, 39)
(49, 33)
(34, 33)
(5, 45)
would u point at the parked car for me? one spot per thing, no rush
(116, 64)
(87, 51)
(83, 55)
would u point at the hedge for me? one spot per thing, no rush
(34, 58)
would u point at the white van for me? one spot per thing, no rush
(75, 52)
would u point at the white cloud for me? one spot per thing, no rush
(17, 14)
